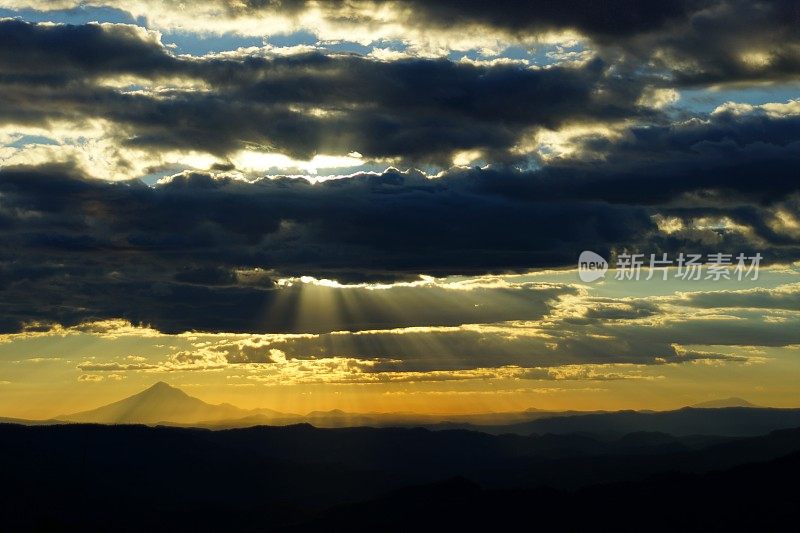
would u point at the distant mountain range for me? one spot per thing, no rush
(167, 405)
(163, 404)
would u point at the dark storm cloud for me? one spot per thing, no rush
(386, 222)
(417, 110)
(734, 41)
(76, 248)
(608, 19)
(697, 41)
(737, 164)
(413, 110)
(62, 53)
(151, 287)
(611, 18)
(202, 252)
(689, 42)
(199, 252)
(750, 154)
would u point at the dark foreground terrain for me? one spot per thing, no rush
(297, 478)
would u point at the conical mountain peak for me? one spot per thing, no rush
(161, 402)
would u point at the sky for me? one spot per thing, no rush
(379, 206)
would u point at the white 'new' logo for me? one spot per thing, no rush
(591, 266)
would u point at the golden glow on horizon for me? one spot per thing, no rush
(424, 368)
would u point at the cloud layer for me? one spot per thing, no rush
(144, 184)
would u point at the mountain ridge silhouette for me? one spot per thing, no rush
(163, 404)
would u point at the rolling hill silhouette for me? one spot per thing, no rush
(730, 421)
(134, 478)
(714, 501)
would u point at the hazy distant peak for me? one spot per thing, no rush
(164, 392)
(161, 387)
(160, 402)
(725, 402)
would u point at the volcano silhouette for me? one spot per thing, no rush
(159, 403)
